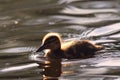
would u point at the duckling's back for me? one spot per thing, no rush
(79, 49)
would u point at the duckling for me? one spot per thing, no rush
(71, 50)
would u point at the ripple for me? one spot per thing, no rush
(97, 4)
(77, 11)
(17, 68)
(66, 1)
(97, 20)
(35, 21)
(105, 30)
(91, 3)
(17, 50)
(109, 62)
(116, 36)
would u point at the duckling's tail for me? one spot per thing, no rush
(99, 47)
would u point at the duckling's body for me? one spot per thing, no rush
(70, 50)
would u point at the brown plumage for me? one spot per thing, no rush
(70, 50)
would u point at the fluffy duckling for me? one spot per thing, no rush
(70, 50)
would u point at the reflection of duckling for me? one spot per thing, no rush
(71, 50)
(52, 69)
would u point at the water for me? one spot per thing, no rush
(23, 23)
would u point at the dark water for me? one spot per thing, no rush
(23, 23)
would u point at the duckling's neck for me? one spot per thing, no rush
(58, 53)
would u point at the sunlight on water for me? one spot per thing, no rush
(74, 11)
(37, 57)
(109, 62)
(95, 71)
(16, 68)
(117, 79)
(66, 1)
(104, 41)
(106, 30)
(115, 36)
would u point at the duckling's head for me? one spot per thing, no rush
(50, 41)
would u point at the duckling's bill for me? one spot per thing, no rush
(40, 49)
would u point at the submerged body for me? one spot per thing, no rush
(70, 50)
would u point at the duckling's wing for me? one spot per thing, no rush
(79, 49)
